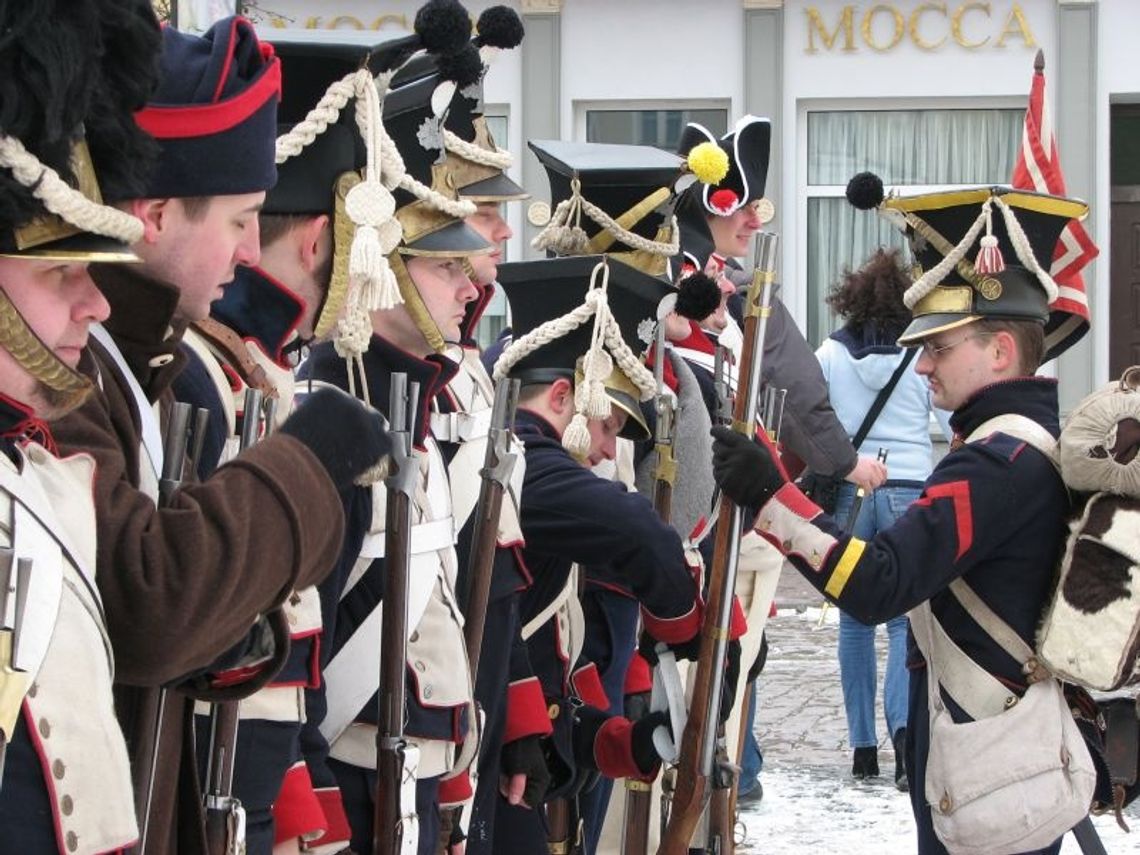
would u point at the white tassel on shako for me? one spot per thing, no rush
(564, 234)
(371, 207)
(989, 260)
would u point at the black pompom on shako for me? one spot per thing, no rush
(443, 26)
(499, 27)
(464, 67)
(697, 297)
(865, 191)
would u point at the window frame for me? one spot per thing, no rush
(797, 298)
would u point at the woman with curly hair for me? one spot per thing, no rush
(858, 361)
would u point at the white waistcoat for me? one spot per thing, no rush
(65, 655)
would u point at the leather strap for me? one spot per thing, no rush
(232, 349)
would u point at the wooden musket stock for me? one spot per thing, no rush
(698, 744)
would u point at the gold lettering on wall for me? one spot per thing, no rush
(916, 23)
(956, 23)
(1016, 23)
(344, 22)
(868, 27)
(970, 25)
(816, 24)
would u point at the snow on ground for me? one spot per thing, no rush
(806, 810)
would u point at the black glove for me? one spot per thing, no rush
(346, 436)
(641, 741)
(636, 706)
(745, 470)
(524, 756)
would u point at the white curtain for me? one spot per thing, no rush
(903, 147)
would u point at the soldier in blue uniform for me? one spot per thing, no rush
(251, 340)
(412, 331)
(573, 520)
(992, 513)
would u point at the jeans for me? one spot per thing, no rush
(858, 667)
(751, 760)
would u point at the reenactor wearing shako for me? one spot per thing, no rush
(718, 221)
(186, 586)
(403, 324)
(65, 780)
(992, 513)
(582, 385)
(509, 695)
(251, 340)
(617, 200)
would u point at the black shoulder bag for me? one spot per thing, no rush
(824, 489)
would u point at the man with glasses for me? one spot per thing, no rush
(992, 513)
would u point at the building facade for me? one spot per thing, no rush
(929, 95)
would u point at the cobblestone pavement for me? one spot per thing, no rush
(811, 804)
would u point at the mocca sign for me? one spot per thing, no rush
(343, 22)
(883, 26)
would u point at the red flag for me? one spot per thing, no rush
(1038, 168)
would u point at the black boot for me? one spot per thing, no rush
(866, 763)
(899, 741)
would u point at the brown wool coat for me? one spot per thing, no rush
(183, 585)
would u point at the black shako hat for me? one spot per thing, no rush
(616, 199)
(214, 113)
(980, 253)
(549, 289)
(748, 146)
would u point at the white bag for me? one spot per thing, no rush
(1019, 775)
(1011, 783)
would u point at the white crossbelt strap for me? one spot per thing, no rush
(974, 689)
(570, 589)
(425, 537)
(148, 416)
(460, 427)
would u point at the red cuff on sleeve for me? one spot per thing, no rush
(739, 624)
(638, 677)
(455, 791)
(526, 711)
(587, 682)
(297, 811)
(613, 750)
(338, 828)
(672, 630)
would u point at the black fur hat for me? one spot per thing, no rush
(67, 68)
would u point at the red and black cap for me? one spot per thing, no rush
(748, 146)
(215, 113)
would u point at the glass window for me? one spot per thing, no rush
(906, 148)
(661, 128)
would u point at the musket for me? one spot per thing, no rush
(698, 745)
(225, 816)
(639, 794)
(498, 463)
(395, 825)
(722, 810)
(152, 703)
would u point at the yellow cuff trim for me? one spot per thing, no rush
(847, 562)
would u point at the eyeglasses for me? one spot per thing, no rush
(938, 351)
